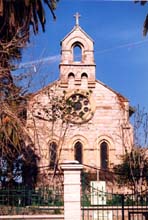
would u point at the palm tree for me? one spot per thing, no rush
(16, 17)
(145, 25)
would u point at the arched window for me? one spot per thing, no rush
(84, 80)
(71, 75)
(77, 53)
(71, 80)
(84, 76)
(104, 155)
(53, 154)
(78, 151)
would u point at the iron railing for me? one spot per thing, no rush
(98, 204)
(108, 206)
(23, 200)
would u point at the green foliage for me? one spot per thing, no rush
(86, 200)
(21, 14)
(16, 17)
(23, 196)
(114, 200)
(17, 160)
(133, 169)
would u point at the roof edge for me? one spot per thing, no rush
(74, 29)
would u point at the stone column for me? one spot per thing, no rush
(72, 197)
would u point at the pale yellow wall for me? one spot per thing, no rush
(109, 121)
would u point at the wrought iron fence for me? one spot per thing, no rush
(98, 204)
(22, 200)
(106, 206)
(109, 206)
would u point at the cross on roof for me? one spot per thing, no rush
(77, 16)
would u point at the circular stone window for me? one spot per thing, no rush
(79, 108)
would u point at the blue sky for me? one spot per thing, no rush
(120, 48)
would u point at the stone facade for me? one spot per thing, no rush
(92, 120)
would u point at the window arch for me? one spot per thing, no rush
(52, 154)
(71, 75)
(84, 76)
(84, 80)
(78, 154)
(104, 155)
(77, 53)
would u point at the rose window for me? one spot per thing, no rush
(78, 108)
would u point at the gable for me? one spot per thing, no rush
(109, 91)
(77, 31)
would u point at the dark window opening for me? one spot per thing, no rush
(84, 76)
(77, 53)
(71, 75)
(78, 151)
(53, 154)
(104, 155)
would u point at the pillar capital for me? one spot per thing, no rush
(71, 165)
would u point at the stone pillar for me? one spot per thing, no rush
(72, 197)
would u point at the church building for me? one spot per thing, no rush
(78, 117)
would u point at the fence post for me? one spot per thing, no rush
(122, 198)
(72, 203)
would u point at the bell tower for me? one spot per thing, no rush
(77, 66)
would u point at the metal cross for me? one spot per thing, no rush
(77, 16)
